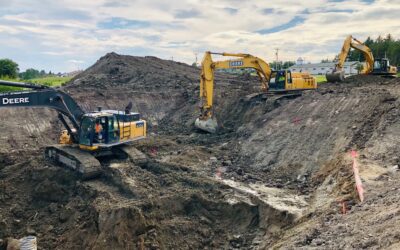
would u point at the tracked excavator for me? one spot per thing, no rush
(88, 136)
(377, 66)
(280, 82)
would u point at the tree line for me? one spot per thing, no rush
(10, 69)
(381, 47)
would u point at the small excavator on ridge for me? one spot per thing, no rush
(377, 66)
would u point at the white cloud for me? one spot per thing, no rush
(55, 34)
(76, 61)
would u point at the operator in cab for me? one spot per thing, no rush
(99, 131)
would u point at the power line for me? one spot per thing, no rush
(277, 58)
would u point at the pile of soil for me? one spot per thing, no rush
(273, 176)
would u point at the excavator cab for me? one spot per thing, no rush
(98, 130)
(382, 67)
(280, 80)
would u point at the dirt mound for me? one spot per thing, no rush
(146, 73)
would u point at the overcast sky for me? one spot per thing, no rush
(71, 34)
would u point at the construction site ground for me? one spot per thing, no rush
(278, 174)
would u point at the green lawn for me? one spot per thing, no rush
(398, 74)
(52, 81)
(320, 78)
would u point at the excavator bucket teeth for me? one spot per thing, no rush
(81, 162)
(337, 76)
(210, 125)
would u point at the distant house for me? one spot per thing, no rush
(69, 74)
(350, 68)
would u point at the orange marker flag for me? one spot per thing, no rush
(357, 177)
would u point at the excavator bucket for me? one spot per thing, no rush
(337, 76)
(210, 125)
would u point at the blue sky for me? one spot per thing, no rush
(70, 34)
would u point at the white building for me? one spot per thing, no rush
(350, 68)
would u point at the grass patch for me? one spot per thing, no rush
(398, 74)
(51, 81)
(9, 89)
(320, 78)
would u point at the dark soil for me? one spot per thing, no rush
(273, 176)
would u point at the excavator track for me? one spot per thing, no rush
(132, 153)
(82, 162)
(85, 164)
(273, 96)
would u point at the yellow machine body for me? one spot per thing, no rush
(303, 81)
(131, 130)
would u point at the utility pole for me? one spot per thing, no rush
(277, 58)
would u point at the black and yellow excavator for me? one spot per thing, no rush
(88, 136)
(282, 81)
(377, 66)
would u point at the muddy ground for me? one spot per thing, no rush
(275, 176)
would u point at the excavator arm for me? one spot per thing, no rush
(350, 42)
(206, 121)
(43, 96)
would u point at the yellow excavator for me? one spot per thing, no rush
(377, 66)
(88, 136)
(281, 82)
